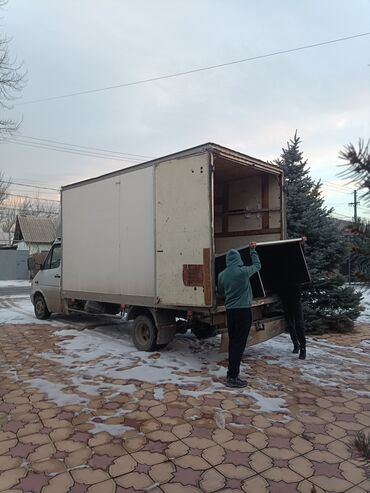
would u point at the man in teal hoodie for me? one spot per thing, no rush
(234, 285)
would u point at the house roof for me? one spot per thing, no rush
(34, 229)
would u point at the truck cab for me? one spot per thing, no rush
(46, 285)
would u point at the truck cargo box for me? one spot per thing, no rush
(148, 235)
(147, 240)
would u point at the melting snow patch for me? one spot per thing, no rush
(158, 393)
(268, 404)
(55, 392)
(15, 283)
(20, 311)
(113, 430)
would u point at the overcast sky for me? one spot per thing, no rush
(253, 107)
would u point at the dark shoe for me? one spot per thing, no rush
(302, 354)
(295, 349)
(235, 382)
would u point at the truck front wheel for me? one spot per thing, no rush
(144, 333)
(41, 310)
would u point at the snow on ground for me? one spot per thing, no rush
(192, 364)
(327, 365)
(195, 365)
(18, 309)
(91, 356)
(15, 283)
(365, 316)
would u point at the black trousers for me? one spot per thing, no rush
(239, 321)
(294, 320)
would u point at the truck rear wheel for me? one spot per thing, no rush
(40, 308)
(144, 333)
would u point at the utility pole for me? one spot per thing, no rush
(354, 204)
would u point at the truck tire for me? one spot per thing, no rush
(144, 333)
(40, 308)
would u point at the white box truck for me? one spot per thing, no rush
(147, 237)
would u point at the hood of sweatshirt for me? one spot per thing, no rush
(233, 258)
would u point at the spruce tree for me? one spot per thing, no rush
(328, 303)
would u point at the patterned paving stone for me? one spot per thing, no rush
(89, 476)
(138, 481)
(282, 487)
(7, 462)
(214, 455)
(222, 436)
(175, 444)
(332, 484)
(102, 462)
(7, 445)
(177, 487)
(6, 436)
(300, 445)
(136, 443)
(356, 489)
(307, 487)
(33, 482)
(192, 462)
(149, 458)
(353, 473)
(282, 474)
(339, 449)
(122, 465)
(230, 471)
(10, 478)
(162, 473)
(108, 486)
(110, 449)
(62, 483)
(211, 481)
(50, 466)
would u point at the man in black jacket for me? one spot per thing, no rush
(292, 305)
(291, 298)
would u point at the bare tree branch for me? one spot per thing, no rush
(4, 185)
(12, 81)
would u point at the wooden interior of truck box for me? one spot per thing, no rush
(247, 205)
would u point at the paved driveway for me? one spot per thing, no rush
(84, 411)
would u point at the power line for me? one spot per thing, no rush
(336, 203)
(30, 211)
(67, 150)
(37, 182)
(30, 198)
(33, 186)
(343, 215)
(193, 71)
(37, 192)
(336, 185)
(332, 189)
(87, 147)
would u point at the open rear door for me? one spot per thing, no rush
(183, 232)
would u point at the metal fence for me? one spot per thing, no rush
(13, 264)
